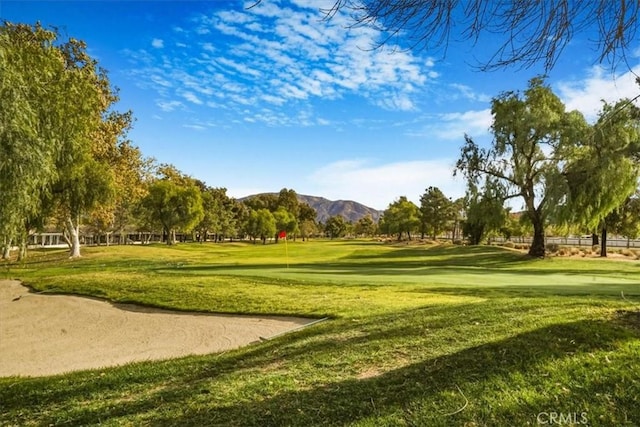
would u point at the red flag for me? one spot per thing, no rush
(282, 234)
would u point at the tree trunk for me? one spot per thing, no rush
(22, 252)
(6, 248)
(603, 242)
(537, 245)
(594, 239)
(74, 237)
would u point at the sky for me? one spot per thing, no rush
(256, 99)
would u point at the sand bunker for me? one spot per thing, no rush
(51, 334)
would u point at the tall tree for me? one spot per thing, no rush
(530, 135)
(53, 98)
(285, 221)
(174, 203)
(603, 170)
(436, 212)
(262, 224)
(365, 226)
(529, 32)
(402, 216)
(307, 220)
(335, 226)
(485, 211)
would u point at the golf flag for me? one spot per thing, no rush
(283, 235)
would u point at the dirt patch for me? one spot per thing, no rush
(52, 334)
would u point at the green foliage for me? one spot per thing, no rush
(285, 221)
(436, 212)
(173, 205)
(402, 216)
(603, 170)
(261, 223)
(485, 212)
(532, 133)
(335, 226)
(365, 226)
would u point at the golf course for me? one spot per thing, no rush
(418, 335)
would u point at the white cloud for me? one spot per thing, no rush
(168, 106)
(466, 92)
(191, 97)
(586, 95)
(283, 55)
(195, 127)
(453, 126)
(377, 185)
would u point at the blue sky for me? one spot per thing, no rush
(274, 96)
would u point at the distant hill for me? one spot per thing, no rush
(348, 209)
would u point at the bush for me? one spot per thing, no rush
(509, 244)
(562, 251)
(595, 249)
(575, 251)
(552, 247)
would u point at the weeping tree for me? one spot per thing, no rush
(32, 108)
(53, 98)
(485, 211)
(603, 169)
(531, 131)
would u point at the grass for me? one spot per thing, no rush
(419, 335)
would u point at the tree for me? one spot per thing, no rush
(53, 101)
(365, 226)
(625, 220)
(603, 170)
(436, 211)
(402, 216)
(130, 171)
(173, 205)
(485, 212)
(531, 31)
(262, 224)
(288, 199)
(285, 221)
(307, 220)
(530, 136)
(262, 201)
(335, 226)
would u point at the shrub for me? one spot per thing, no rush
(509, 244)
(627, 252)
(562, 252)
(595, 249)
(552, 247)
(575, 251)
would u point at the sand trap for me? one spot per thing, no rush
(51, 334)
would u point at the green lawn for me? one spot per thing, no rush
(419, 335)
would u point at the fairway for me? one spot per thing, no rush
(417, 335)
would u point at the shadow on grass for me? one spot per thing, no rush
(179, 393)
(399, 390)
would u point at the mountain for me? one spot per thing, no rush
(348, 209)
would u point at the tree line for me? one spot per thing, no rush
(66, 161)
